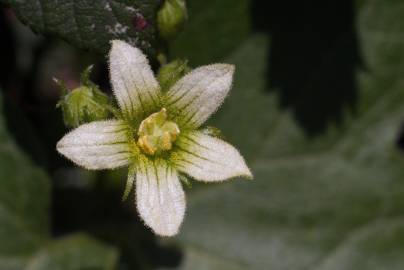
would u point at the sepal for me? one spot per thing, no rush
(129, 183)
(214, 132)
(170, 73)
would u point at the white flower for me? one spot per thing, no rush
(157, 135)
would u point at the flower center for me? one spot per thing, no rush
(156, 134)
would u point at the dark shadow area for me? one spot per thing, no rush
(101, 213)
(313, 55)
(7, 50)
(400, 139)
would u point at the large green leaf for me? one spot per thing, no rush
(25, 241)
(214, 28)
(92, 24)
(329, 202)
(24, 202)
(74, 253)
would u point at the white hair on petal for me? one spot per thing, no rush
(134, 84)
(97, 145)
(159, 196)
(209, 159)
(199, 94)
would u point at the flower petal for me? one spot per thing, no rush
(160, 197)
(133, 81)
(199, 94)
(97, 145)
(207, 158)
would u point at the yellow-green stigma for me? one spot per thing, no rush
(156, 134)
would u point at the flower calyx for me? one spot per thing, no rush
(171, 72)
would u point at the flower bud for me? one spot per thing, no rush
(170, 73)
(171, 17)
(83, 104)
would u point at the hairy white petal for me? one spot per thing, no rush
(97, 145)
(160, 197)
(207, 158)
(133, 81)
(199, 94)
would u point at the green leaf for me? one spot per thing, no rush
(213, 29)
(92, 24)
(24, 219)
(74, 253)
(325, 203)
(24, 202)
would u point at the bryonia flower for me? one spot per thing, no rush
(157, 135)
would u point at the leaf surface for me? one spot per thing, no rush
(333, 201)
(92, 24)
(24, 219)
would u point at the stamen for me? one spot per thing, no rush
(156, 133)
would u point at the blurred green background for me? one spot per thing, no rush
(317, 109)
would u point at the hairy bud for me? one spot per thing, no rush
(83, 104)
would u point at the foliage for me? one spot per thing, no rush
(328, 201)
(24, 221)
(92, 24)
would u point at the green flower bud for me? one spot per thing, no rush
(83, 104)
(170, 73)
(171, 18)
